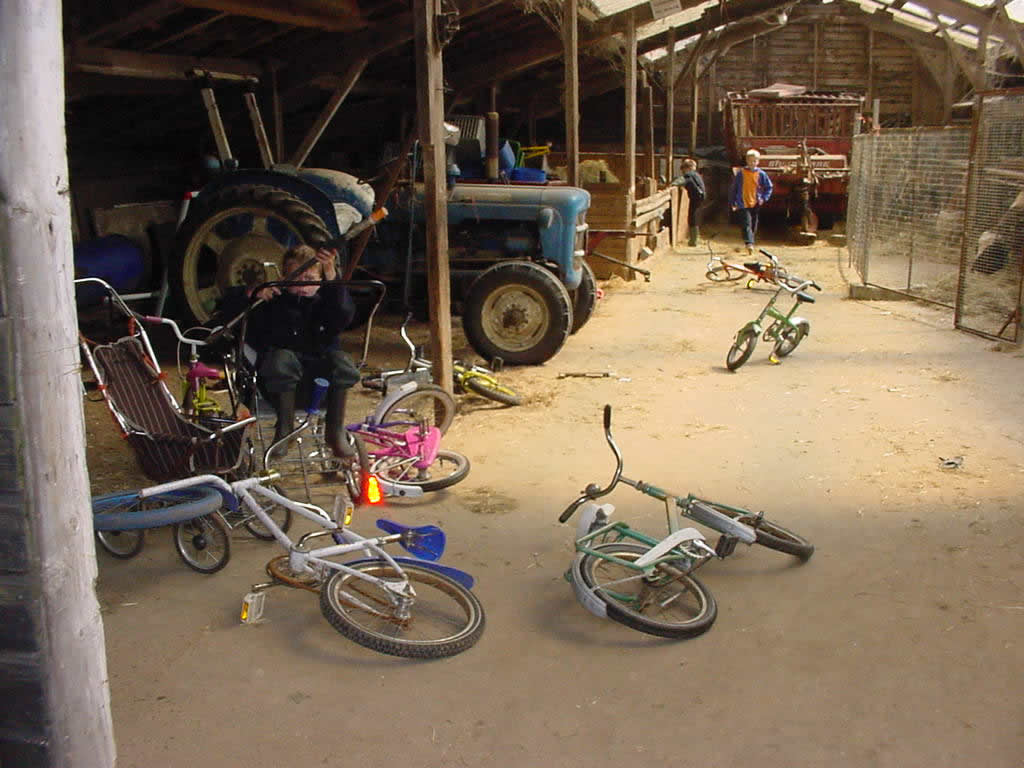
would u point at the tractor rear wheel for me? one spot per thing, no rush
(228, 241)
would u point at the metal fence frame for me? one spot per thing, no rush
(991, 282)
(927, 204)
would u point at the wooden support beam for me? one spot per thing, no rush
(53, 665)
(158, 66)
(570, 43)
(713, 19)
(670, 104)
(430, 119)
(691, 60)
(338, 16)
(277, 114)
(871, 68)
(188, 31)
(1009, 30)
(648, 92)
(814, 65)
(957, 9)
(630, 128)
(694, 110)
(348, 80)
(370, 43)
(969, 68)
(507, 65)
(130, 23)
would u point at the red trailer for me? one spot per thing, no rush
(805, 139)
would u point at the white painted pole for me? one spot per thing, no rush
(63, 717)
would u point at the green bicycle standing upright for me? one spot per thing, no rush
(787, 330)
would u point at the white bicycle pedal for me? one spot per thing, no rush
(252, 607)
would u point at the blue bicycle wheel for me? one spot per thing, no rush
(120, 519)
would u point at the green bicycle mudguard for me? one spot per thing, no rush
(750, 327)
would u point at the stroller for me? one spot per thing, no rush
(166, 443)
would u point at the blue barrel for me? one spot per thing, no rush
(115, 258)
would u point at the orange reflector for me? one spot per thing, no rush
(373, 494)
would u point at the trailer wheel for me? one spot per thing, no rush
(518, 311)
(228, 241)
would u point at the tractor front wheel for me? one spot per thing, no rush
(518, 311)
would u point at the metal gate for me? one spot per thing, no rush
(992, 257)
(906, 210)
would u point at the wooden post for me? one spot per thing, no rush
(648, 90)
(694, 112)
(871, 66)
(277, 115)
(570, 44)
(817, 45)
(712, 70)
(630, 122)
(52, 658)
(670, 104)
(430, 120)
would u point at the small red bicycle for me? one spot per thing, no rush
(721, 271)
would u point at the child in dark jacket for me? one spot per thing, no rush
(296, 335)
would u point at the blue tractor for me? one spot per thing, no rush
(519, 279)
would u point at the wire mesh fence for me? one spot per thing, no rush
(906, 210)
(938, 214)
(992, 267)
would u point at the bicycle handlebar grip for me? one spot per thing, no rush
(316, 397)
(570, 510)
(607, 417)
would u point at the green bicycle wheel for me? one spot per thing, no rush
(790, 338)
(666, 602)
(769, 534)
(741, 350)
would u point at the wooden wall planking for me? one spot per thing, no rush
(840, 63)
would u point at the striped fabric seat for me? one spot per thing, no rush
(167, 445)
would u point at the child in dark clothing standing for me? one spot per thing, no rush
(694, 186)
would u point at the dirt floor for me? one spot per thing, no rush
(898, 644)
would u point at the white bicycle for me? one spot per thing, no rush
(403, 606)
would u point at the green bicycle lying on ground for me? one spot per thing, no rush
(646, 583)
(787, 330)
(467, 377)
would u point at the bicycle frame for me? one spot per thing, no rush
(416, 445)
(302, 560)
(782, 319)
(676, 506)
